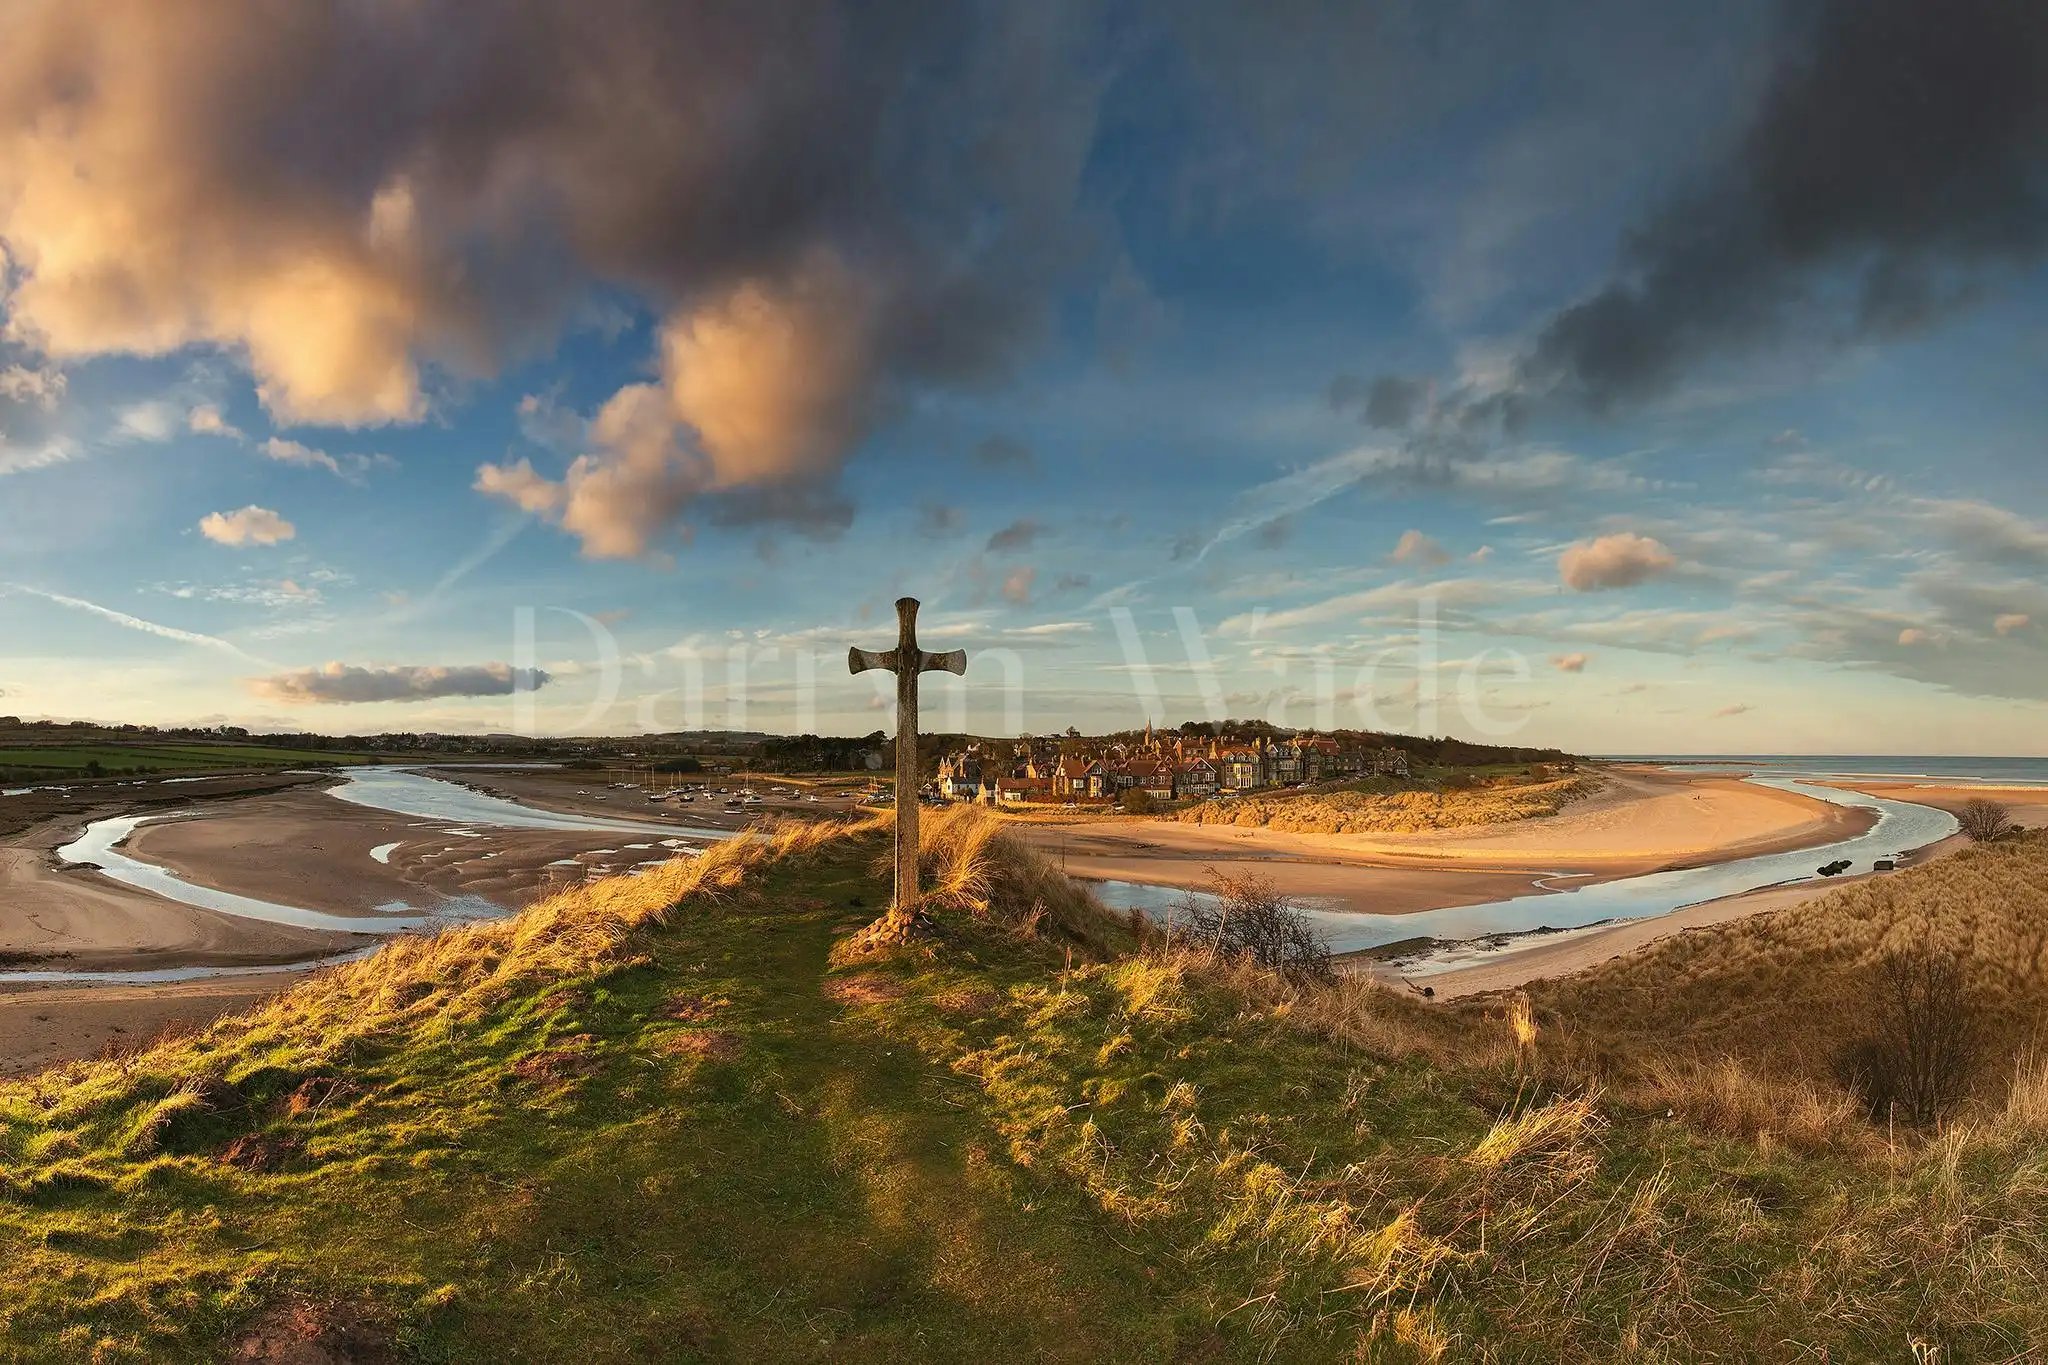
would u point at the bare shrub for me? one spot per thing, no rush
(1984, 820)
(1916, 1062)
(1246, 918)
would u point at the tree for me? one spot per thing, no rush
(1917, 1060)
(1246, 918)
(1136, 801)
(1984, 820)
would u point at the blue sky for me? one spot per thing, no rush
(1111, 340)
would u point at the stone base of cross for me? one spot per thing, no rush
(906, 661)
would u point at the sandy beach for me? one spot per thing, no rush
(1644, 820)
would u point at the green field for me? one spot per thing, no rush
(70, 760)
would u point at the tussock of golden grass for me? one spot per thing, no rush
(1552, 1133)
(1415, 812)
(972, 865)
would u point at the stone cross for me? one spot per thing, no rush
(906, 661)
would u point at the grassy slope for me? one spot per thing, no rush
(1784, 992)
(613, 1131)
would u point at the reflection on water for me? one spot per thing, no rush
(402, 792)
(1901, 826)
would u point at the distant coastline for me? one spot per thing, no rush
(1978, 770)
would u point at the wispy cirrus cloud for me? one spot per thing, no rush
(136, 623)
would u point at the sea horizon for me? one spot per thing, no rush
(1984, 769)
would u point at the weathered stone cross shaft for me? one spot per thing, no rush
(906, 661)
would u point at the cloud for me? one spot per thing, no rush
(1621, 560)
(1894, 159)
(1391, 401)
(520, 486)
(16, 459)
(250, 526)
(152, 422)
(1981, 531)
(38, 385)
(1571, 663)
(1017, 585)
(1913, 635)
(1018, 535)
(206, 420)
(1003, 452)
(128, 622)
(350, 467)
(762, 391)
(1417, 548)
(936, 519)
(338, 684)
(1738, 709)
(2011, 621)
(833, 209)
(546, 423)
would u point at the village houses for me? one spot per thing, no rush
(1173, 767)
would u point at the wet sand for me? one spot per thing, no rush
(1644, 820)
(572, 791)
(310, 849)
(43, 1025)
(287, 842)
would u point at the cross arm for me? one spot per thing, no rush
(953, 661)
(861, 660)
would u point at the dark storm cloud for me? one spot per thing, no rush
(1899, 155)
(1389, 402)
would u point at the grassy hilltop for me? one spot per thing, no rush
(685, 1117)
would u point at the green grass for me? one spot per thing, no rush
(73, 759)
(670, 1119)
